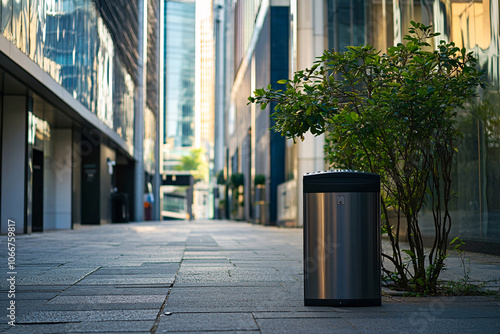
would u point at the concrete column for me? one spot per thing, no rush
(310, 44)
(106, 154)
(220, 85)
(14, 160)
(157, 175)
(57, 181)
(140, 105)
(76, 168)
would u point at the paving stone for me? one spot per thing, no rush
(4, 327)
(86, 290)
(102, 306)
(41, 328)
(86, 327)
(138, 279)
(41, 288)
(153, 268)
(77, 316)
(30, 295)
(207, 322)
(56, 276)
(23, 307)
(228, 299)
(294, 314)
(417, 324)
(232, 284)
(114, 327)
(107, 299)
(220, 332)
(305, 325)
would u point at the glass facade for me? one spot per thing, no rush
(475, 26)
(347, 23)
(245, 13)
(179, 74)
(69, 41)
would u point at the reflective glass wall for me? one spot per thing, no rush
(474, 25)
(346, 23)
(69, 41)
(179, 89)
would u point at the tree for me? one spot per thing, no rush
(391, 114)
(195, 163)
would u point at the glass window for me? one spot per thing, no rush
(71, 42)
(474, 26)
(7, 6)
(346, 23)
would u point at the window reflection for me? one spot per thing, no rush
(471, 24)
(346, 23)
(6, 23)
(475, 26)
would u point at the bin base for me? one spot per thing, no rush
(343, 302)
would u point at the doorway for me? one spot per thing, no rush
(37, 204)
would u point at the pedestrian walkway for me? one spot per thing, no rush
(203, 276)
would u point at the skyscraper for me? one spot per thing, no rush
(188, 87)
(179, 80)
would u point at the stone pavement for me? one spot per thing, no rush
(205, 276)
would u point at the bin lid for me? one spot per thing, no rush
(341, 180)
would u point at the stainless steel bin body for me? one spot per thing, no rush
(342, 239)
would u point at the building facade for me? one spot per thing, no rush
(79, 109)
(311, 27)
(179, 81)
(475, 26)
(188, 100)
(256, 54)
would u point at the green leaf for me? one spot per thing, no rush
(282, 82)
(409, 252)
(309, 110)
(418, 59)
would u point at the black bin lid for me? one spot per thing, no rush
(341, 180)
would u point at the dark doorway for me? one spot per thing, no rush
(37, 204)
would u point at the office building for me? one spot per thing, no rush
(179, 81)
(255, 53)
(188, 99)
(79, 110)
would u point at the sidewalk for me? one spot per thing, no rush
(212, 276)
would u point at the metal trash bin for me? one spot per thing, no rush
(342, 251)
